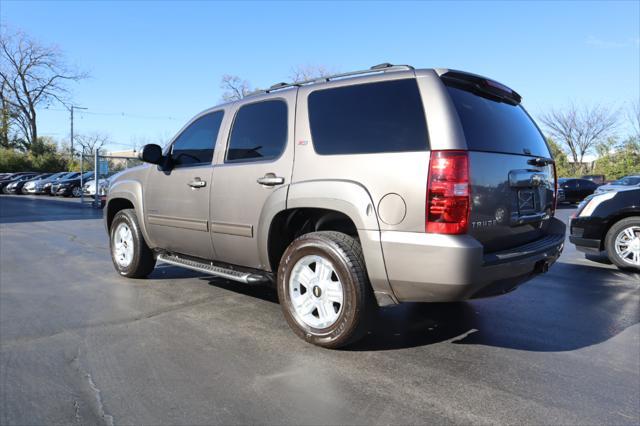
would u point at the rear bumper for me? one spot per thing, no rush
(443, 268)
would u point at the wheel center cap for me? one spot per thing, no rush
(316, 291)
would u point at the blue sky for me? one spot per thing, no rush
(155, 64)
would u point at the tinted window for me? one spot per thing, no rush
(495, 126)
(259, 132)
(196, 143)
(368, 118)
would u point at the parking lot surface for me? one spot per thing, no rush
(81, 345)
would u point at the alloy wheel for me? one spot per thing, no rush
(316, 292)
(123, 245)
(627, 245)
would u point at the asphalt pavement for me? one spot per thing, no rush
(81, 345)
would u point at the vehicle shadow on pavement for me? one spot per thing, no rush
(576, 314)
(416, 324)
(257, 291)
(551, 314)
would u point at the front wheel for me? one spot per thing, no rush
(623, 243)
(323, 289)
(129, 251)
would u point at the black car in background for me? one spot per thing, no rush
(610, 222)
(15, 177)
(574, 190)
(597, 179)
(16, 186)
(44, 186)
(70, 186)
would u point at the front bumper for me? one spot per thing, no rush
(62, 191)
(444, 268)
(586, 245)
(583, 230)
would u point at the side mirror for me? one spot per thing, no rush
(151, 153)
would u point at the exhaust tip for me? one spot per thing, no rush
(542, 267)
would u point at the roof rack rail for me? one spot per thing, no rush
(384, 67)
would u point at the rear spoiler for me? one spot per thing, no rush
(481, 86)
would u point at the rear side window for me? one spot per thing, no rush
(259, 132)
(368, 118)
(495, 126)
(196, 143)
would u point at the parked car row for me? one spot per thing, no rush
(67, 184)
(575, 190)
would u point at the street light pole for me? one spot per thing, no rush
(71, 108)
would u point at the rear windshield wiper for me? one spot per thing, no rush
(540, 161)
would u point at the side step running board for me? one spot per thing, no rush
(209, 268)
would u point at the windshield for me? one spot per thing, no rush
(628, 181)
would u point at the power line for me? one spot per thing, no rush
(121, 114)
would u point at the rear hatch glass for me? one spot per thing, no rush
(497, 126)
(510, 166)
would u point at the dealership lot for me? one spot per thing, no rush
(80, 345)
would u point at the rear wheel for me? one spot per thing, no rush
(324, 290)
(131, 256)
(76, 191)
(623, 243)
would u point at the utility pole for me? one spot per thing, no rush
(71, 108)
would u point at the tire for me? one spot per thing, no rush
(616, 237)
(139, 261)
(76, 191)
(354, 313)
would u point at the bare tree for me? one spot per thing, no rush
(580, 130)
(92, 142)
(33, 74)
(234, 88)
(634, 118)
(5, 116)
(308, 72)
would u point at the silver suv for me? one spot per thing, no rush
(367, 188)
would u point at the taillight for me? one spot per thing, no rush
(448, 193)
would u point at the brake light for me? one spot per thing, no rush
(447, 210)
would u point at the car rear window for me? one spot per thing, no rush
(368, 118)
(494, 126)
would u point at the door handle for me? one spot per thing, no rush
(197, 183)
(270, 179)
